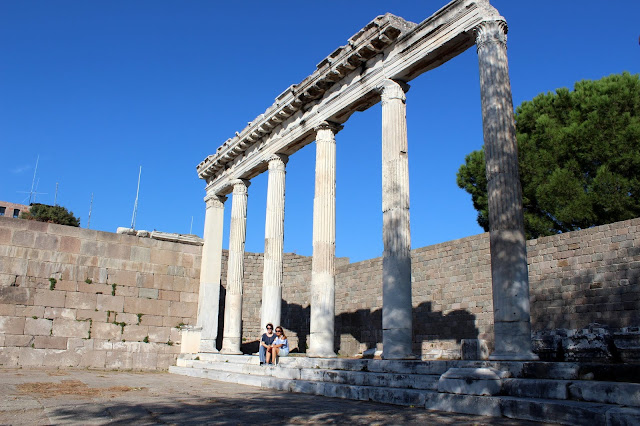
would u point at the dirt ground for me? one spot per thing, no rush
(90, 397)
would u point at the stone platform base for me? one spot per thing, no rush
(565, 393)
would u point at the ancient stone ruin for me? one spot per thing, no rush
(375, 65)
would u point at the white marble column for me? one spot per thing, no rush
(509, 275)
(323, 301)
(396, 262)
(232, 335)
(209, 295)
(273, 242)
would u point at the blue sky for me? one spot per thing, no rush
(99, 88)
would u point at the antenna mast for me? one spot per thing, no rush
(55, 198)
(90, 208)
(33, 182)
(135, 205)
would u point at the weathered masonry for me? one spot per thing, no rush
(376, 65)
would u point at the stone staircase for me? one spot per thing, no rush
(566, 393)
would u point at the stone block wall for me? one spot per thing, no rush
(113, 293)
(577, 279)
(84, 298)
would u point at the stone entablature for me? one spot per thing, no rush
(346, 81)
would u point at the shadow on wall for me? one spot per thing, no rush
(601, 322)
(223, 298)
(366, 326)
(609, 298)
(295, 319)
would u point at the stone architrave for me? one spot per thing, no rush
(509, 275)
(273, 242)
(322, 321)
(209, 295)
(232, 336)
(396, 262)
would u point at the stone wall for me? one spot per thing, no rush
(78, 297)
(576, 279)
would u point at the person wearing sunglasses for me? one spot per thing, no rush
(266, 342)
(279, 348)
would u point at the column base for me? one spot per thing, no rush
(321, 355)
(510, 356)
(208, 346)
(409, 357)
(396, 344)
(231, 346)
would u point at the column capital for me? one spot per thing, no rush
(490, 32)
(240, 185)
(329, 125)
(392, 89)
(215, 200)
(277, 161)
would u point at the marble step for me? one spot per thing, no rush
(397, 396)
(522, 408)
(368, 365)
(541, 410)
(359, 378)
(627, 394)
(373, 379)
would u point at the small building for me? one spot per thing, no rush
(12, 209)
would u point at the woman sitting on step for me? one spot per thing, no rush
(280, 346)
(265, 342)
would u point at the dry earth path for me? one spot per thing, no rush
(40, 397)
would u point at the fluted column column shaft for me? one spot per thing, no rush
(396, 262)
(232, 335)
(273, 242)
(322, 325)
(509, 276)
(209, 294)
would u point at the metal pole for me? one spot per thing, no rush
(90, 208)
(135, 205)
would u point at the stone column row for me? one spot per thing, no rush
(209, 296)
(510, 284)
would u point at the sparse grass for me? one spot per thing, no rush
(52, 283)
(122, 325)
(146, 339)
(169, 342)
(139, 317)
(113, 289)
(179, 326)
(88, 281)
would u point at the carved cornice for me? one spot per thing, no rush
(367, 43)
(490, 32)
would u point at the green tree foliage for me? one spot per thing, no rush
(578, 154)
(51, 214)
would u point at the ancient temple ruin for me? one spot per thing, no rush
(375, 65)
